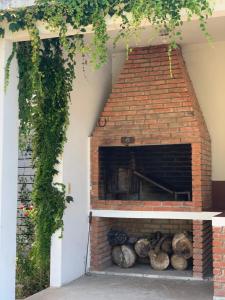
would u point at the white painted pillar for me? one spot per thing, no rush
(56, 260)
(69, 254)
(8, 174)
(56, 244)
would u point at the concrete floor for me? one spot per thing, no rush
(100, 287)
(143, 270)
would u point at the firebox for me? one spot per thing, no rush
(150, 173)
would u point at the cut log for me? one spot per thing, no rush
(142, 248)
(178, 262)
(167, 245)
(124, 256)
(182, 245)
(159, 261)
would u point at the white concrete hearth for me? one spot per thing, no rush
(176, 215)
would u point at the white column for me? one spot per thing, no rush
(56, 260)
(69, 254)
(8, 174)
(56, 244)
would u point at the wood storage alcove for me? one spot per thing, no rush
(152, 247)
(159, 245)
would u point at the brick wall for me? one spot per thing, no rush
(155, 108)
(219, 262)
(143, 227)
(202, 248)
(100, 249)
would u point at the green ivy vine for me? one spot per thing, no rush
(46, 73)
(44, 112)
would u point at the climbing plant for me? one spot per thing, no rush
(43, 111)
(61, 15)
(47, 70)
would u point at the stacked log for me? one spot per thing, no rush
(159, 250)
(142, 248)
(179, 262)
(182, 249)
(182, 245)
(124, 256)
(159, 259)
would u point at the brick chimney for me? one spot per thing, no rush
(154, 108)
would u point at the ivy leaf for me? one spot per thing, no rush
(14, 27)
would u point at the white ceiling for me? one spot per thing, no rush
(15, 3)
(191, 34)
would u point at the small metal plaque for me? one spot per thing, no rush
(127, 140)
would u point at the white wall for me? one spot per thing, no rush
(206, 67)
(118, 60)
(91, 89)
(15, 3)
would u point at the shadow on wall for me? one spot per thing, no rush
(218, 195)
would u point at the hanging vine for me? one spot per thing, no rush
(46, 73)
(44, 112)
(59, 15)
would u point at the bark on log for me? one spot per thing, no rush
(178, 262)
(124, 256)
(159, 260)
(155, 238)
(167, 245)
(159, 244)
(182, 245)
(143, 261)
(142, 248)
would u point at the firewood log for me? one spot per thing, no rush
(182, 245)
(159, 260)
(155, 238)
(179, 262)
(142, 248)
(124, 256)
(167, 245)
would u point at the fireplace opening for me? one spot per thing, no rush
(148, 173)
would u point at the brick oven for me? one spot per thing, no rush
(150, 151)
